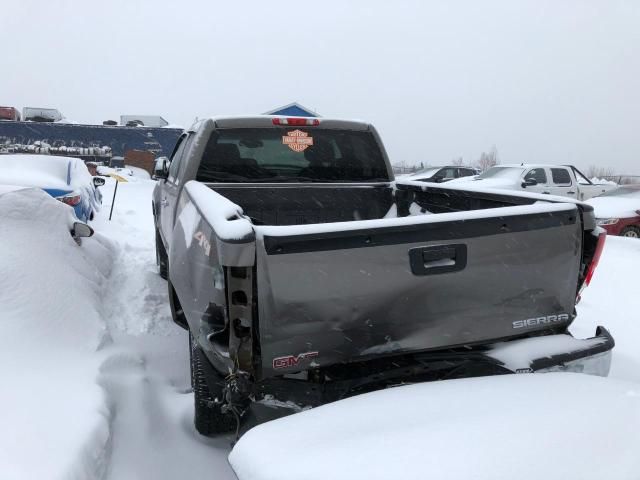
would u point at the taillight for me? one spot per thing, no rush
(602, 236)
(72, 200)
(297, 122)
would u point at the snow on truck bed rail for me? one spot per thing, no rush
(221, 213)
(274, 231)
(228, 222)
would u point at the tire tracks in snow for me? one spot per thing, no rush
(145, 372)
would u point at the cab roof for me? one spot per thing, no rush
(264, 121)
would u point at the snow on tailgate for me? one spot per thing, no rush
(553, 426)
(53, 413)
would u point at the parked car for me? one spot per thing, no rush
(443, 174)
(305, 274)
(78, 230)
(563, 180)
(64, 178)
(618, 211)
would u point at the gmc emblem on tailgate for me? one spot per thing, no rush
(292, 360)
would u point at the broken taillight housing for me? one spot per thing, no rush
(595, 259)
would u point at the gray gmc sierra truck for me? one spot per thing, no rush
(305, 273)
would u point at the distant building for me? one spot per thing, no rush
(293, 110)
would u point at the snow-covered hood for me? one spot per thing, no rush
(456, 429)
(615, 207)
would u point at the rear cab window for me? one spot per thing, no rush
(561, 176)
(292, 154)
(447, 173)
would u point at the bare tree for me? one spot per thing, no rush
(488, 160)
(457, 162)
(600, 172)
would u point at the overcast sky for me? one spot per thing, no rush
(554, 81)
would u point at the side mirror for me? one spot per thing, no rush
(98, 181)
(438, 179)
(81, 230)
(161, 168)
(529, 182)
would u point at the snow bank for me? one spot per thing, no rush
(612, 300)
(130, 173)
(602, 181)
(552, 426)
(54, 419)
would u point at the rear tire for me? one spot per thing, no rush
(208, 417)
(161, 257)
(630, 232)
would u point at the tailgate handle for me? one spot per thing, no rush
(438, 259)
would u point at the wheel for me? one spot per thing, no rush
(208, 417)
(630, 232)
(161, 257)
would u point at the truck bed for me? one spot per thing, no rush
(393, 268)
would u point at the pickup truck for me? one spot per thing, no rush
(563, 180)
(305, 273)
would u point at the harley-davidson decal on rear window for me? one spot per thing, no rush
(298, 141)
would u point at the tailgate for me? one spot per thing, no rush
(416, 283)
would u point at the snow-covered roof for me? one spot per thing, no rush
(531, 165)
(258, 121)
(293, 109)
(43, 171)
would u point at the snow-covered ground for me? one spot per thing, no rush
(95, 375)
(145, 373)
(96, 378)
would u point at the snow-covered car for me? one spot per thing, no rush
(618, 211)
(443, 174)
(65, 178)
(29, 197)
(562, 180)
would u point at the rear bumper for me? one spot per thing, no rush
(556, 353)
(276, 397)
(550, 353)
